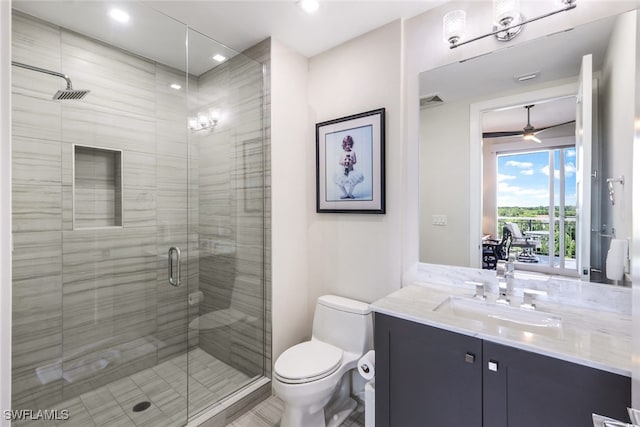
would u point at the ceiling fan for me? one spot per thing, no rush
(528, 132)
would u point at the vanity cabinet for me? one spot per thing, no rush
(427, 376)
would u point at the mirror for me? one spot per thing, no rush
(471, 187)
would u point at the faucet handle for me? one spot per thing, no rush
(529, 296)
(480, 290)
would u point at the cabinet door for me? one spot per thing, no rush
(426, 376)
(531, 390)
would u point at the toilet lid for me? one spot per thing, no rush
(308, 361)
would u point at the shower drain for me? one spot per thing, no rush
(139, 407)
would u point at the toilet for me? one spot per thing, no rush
(314, 378)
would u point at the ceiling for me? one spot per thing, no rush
(235, 25)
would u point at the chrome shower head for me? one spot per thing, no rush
(62, 95)
(67, 94)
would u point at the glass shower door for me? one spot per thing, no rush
(226, 295)
(101, 195)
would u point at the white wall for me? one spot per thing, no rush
(292, 184)
(444, 183)
(618, 103)
(5, 209)
(357, 255)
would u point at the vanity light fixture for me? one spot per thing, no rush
(204, 120)
(508, 22)
(219, 58)
(119, 15)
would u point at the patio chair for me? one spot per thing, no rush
(527, 244)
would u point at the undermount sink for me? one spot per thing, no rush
(500, 315)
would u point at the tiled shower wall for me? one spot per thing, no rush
(231, 206)
(92, 305)
(103, 293)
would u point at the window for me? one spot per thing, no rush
(537, 191)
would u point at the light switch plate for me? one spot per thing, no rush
(439, 219)
(493, 366)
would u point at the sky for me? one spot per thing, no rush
(523, 178)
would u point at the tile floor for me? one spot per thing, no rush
(268, 413)
(164, 386)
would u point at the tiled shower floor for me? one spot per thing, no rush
(164, 386)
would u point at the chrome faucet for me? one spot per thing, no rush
(505, 271)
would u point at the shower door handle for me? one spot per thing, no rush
(174, 280)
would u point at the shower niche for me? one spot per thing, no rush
(97, 187)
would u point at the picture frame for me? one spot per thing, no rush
(350, 164)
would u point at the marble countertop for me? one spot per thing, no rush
(597, 339)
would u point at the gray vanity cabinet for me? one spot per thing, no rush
(526, 389)
(427, 376)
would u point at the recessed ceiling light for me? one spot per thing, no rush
(119, 15)
(175, 86)
(309, 6)
(219, 57)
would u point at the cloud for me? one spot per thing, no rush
(545, 170)
(512, 195)
(570, 153)
(502, 177)
(527, 172)
(569, 169)
(520, 165)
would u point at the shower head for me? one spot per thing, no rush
(65, 94)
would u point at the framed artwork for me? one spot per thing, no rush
(350, 164)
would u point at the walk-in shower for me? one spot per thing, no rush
(138, 263)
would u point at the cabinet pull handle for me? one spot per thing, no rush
(470, 358)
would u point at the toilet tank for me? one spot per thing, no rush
(344, 323)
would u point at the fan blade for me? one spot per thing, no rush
(521, 132)
(502, 134)
(531, 137)
(554, 126)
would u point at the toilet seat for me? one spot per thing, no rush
(308, 361)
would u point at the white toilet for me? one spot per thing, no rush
(314, 378)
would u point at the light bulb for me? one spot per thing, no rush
(505, 12)
(453, 24)
(203, 120)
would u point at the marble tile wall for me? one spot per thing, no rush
(231, 208)
(261, 52)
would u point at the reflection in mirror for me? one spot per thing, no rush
(500, 170)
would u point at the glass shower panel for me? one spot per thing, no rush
(227, 302)
(100, 196)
